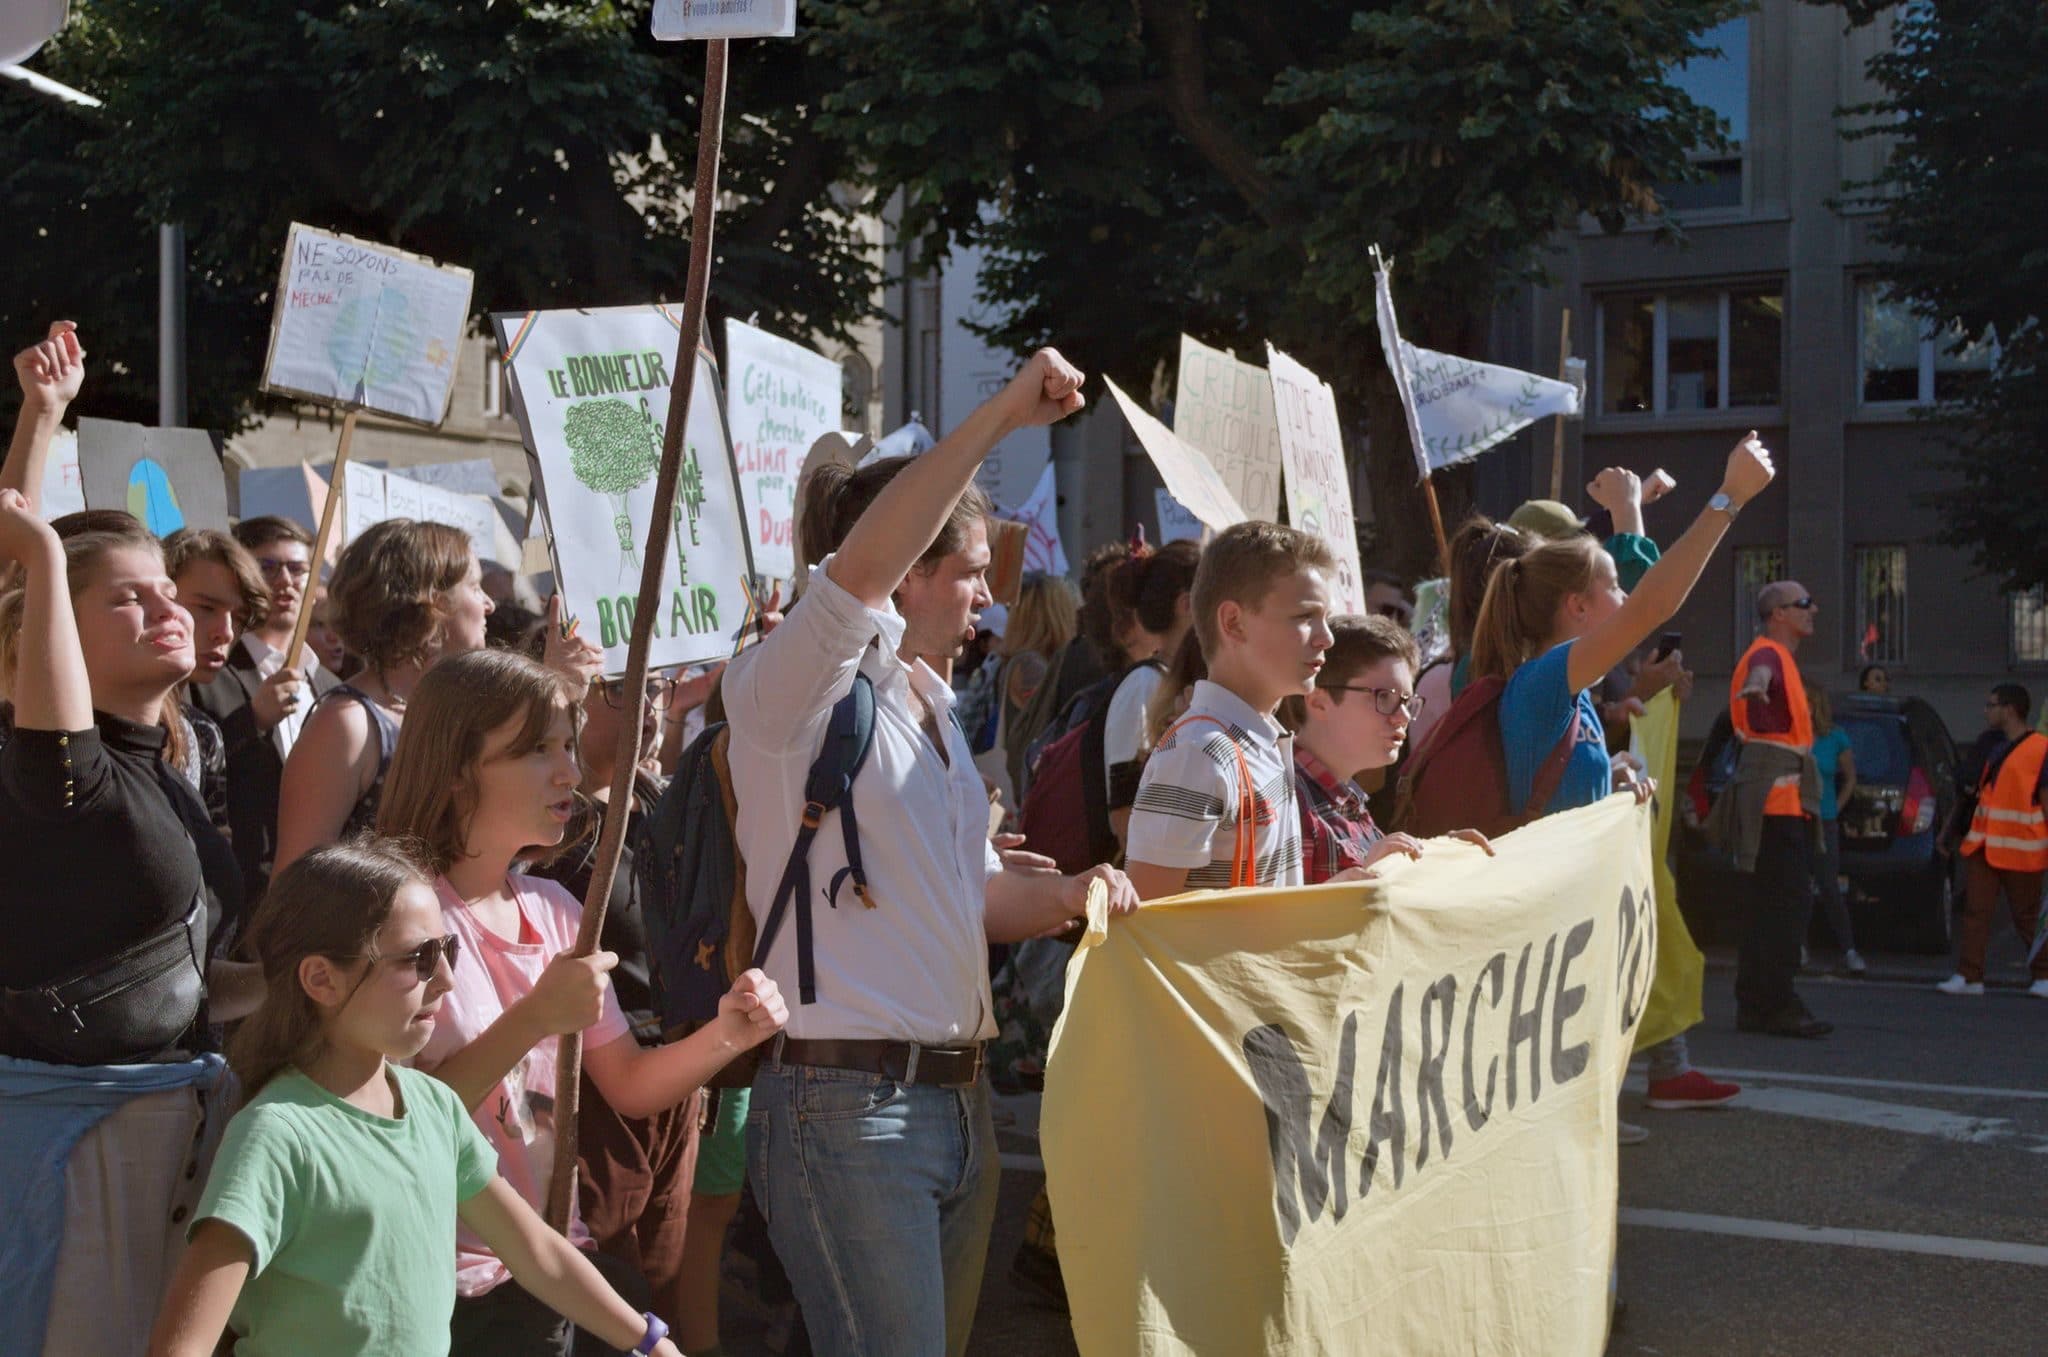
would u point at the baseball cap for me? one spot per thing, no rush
(1548, 519)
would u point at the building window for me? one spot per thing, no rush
(1717, 80)
(1902, 362)
(2027, 623)
(1754, 568)
(1881, 605)
(1690, 352)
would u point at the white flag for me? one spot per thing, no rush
(1456, 407)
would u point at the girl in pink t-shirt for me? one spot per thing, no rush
(486, 772)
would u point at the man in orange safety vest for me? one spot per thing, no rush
(2006, 849)
(1773, 802)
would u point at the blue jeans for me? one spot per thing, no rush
(879, 1199)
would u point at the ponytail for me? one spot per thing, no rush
(833, 498)
(329, 903)
(1518, 616)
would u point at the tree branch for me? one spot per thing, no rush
(1186, 91)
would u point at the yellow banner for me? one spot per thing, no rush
(1352, 1119)
(1675, 993)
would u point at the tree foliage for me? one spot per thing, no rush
(1143, 167)
(1965, 193)
(550, 147)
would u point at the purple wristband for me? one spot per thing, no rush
(656, 1331)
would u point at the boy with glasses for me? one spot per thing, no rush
(1354, 720)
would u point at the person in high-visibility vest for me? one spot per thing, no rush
(1773, 800)
(2006, 848)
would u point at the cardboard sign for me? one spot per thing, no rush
(168, 478)
(1318, 482)
(591, 391)
(363, 325)
(1008, 540)
(1176, 522)
(783, 398)
(1224, 408)
(1187, 473)
(678, 20)
(63, 493)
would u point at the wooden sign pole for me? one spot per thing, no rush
(654, 560)
(1564, 356)
(1436, 522)
(335, 491)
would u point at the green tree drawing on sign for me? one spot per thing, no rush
(611, 452)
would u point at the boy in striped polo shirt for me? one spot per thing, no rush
(1216, 806)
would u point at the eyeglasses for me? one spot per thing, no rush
(297, 570)
(1801, 603)
(1387, 701)
(1400, 612)
(659, 686)
(426, 958)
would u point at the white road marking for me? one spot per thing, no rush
(1901, 1086)
(1887, 1241)
(1912, 1120)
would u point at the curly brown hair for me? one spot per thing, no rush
(385, 599)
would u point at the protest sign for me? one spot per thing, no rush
(1463, 407)
(591, 390)
(366, 501)
(678, 20)
(1363, 1118)
(365, 326)
(1040, 514)
(1187, 473)
(1224, 408)
(1007, 542)
(783, 398)
(168, 478)
(1176, 522)
(972, 371)
(1318, 483)
(63, 493)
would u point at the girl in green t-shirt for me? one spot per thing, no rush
(328, 1222)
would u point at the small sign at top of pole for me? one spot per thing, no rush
(680, 20)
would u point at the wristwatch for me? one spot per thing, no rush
(1724, 504)
(656, 1331)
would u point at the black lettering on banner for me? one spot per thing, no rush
(1633, 971)
(1429, 1078)
(1526, 1024)
(1477, 1116)
(1568, 1062)
(1389, 1122)
(1315, 1169)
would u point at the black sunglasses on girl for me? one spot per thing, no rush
(426, 958)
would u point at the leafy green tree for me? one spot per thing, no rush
(613, 451)
(1160, 165)
(550, 147)
(1964, 191)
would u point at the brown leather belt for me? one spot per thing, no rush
(904, 1061)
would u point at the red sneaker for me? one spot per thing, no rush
(1691, 1089)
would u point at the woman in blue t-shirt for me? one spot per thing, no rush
(1553, 623)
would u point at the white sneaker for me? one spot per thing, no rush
(1852, 962)
(1955, 984)
(2039, 989)
(1628, 1133)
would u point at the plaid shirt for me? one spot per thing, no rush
(1336, 827)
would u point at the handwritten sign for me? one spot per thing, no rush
(1318, 484)
(783, 398)
(1176, 524)
(1188, 475)
(1224, 407)
(678, 20)
(168, 478)
(591, 390)
(63, 493)
(363, 325)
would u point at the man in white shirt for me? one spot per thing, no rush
(870, 1140)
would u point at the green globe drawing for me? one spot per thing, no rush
(613, 451)
(374, 338)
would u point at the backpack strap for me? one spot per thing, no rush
(848, 737)
(1244, 859)
(1544, 785)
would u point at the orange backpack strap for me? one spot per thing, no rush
(1244, 860)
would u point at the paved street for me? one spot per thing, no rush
(1881, 1192)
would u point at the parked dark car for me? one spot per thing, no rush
(1902, 892)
